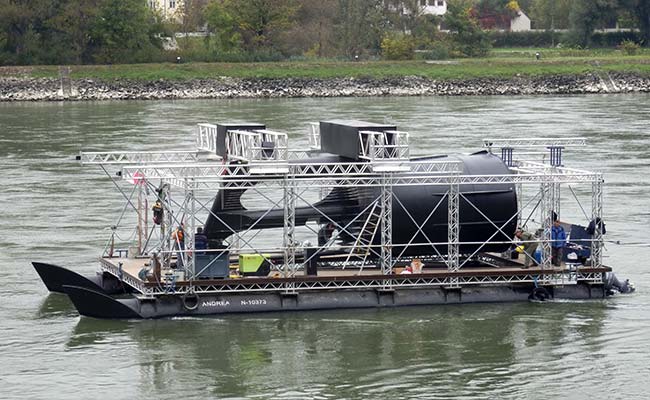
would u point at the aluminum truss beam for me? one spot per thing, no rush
(136, 157)
(239, 176)
(386, 208)
(370, 282)
(453, 226)
(534, 142)
(597, 215)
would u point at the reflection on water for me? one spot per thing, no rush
(59, 212)
(55, 305)
(458, 351)
(90, 331)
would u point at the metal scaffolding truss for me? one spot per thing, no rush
(526, 142)
(261, 161)
(259, 146)
(385, 145)
(137, 157)
(448, 280)
(344, 174)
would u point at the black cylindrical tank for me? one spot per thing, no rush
(487, 212)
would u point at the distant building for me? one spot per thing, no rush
(520, 23)
(434, 7)
(168, 9)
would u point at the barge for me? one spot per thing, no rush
(244, 223)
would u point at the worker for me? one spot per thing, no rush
(416, 266)
(558, 241)
(157, 212)
(529, 246)
(178, 236)
(407, 271)
(325, 233)
(200, 241)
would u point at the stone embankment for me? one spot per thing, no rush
(48, 89)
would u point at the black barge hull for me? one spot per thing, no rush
(93, 304)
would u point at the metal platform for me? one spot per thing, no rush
(185, 183)
(127, 270)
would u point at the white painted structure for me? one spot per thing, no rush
(168, 9)
(520, 23)
(434, 7)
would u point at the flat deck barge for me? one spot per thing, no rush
(353, 222)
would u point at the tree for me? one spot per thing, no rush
(70, 31)
(124, 31)
(362, 25)
(21, 23)
(225, 34)
(261, 22)
(403, 15)
(397, 47)
(495, 14)
(551, 14)
(586, 15)
(467, 37)
(640, 10)
(193, 15)
(314, 31)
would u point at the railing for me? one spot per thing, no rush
(314, 136)
(382, 146)
(257, 146)
(206, 139)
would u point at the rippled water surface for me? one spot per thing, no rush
(54, 210)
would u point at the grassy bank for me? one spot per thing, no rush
(502, 63)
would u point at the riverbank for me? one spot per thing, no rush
(53, 89)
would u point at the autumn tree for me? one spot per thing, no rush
(495, 14)
(466, 35)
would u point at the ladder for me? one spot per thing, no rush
(363, 244)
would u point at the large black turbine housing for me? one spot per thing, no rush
(487, 212)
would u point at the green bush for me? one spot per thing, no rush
(548, 38)
(436, 51)
(398, 47)
(613, 39)
(629, 47)
(523, 39)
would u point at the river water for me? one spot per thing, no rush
(54, 210)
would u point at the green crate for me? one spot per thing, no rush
(251, 263)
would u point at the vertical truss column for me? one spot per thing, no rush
(166, 226)
(546, 216)
(386, 204)
(453, 224)
(519, 190)
(143, 208)
(555, 196)
(289, 242)
(191, 200)
(597, 215)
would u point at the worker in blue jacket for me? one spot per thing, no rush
(558, 241)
